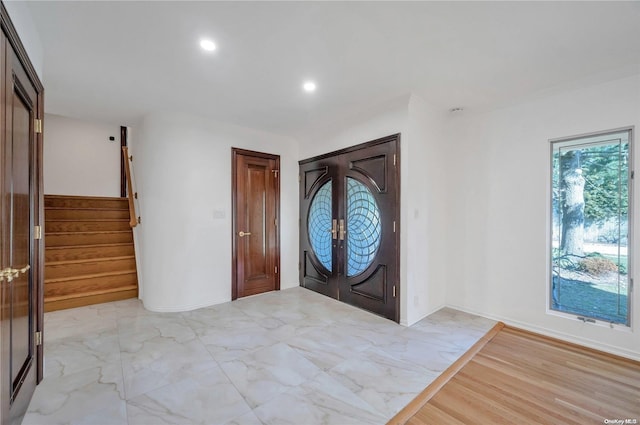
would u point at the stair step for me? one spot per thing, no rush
(87, 238)
(85, 213)
(71, 268)
(78, 285)
(84, 202)
(87, 252)
(54, 226)
(79, 300)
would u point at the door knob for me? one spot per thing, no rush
(243, 234)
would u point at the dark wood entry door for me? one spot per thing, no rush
(349, 233)
(256, 240)
(20, 188)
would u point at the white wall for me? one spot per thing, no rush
(498, 220)
(79, 158)
(424, 211)
(183, 169)
(26, 28)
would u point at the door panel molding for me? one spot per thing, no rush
(374, 169)
(271, 226)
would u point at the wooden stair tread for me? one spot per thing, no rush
(83, 209)
(90, 260)
(97, 220)
(92, 232)
(89, 251)
(91, 293)
(111, 198)
(90, 276)
(99, 245)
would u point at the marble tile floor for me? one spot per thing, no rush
(286, 357)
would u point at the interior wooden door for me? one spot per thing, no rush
(349, 230)
(256, 242)
(21, 247)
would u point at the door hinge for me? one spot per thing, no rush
(298, 266)
(37, 125)
(38, 338)
(37, 232)
(299, 178)
(394, 291)
(275, 222)
(275, 173)
(394, 159)
(276, 269)
(633, 173)
(394, 227)
(631, 285)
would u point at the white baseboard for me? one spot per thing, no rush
(554, 334)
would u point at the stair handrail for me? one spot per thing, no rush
(133, 220)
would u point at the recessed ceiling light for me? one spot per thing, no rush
(309, 86)
(207, 45)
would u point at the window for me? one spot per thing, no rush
(590, 236)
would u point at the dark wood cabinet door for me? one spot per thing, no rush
(256, 239)
(20, 251)
(349, 225)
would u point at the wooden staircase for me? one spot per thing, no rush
(89, 254)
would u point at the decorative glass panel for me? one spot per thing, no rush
(363, 227)
(319, 225)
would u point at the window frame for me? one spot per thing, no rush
(630, 234)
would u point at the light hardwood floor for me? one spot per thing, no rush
(516, 377)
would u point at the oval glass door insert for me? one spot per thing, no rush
(364, 229)
(319, 225)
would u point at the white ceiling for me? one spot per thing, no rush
(116, 61)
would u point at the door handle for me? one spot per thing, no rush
(342, 229)
(243, 234)
(334, 229)
(9, 274)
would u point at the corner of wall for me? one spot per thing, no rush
(27, 31)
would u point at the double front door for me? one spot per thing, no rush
(349, 233)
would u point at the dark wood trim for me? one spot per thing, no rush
(398, 220)
(13, 39)
(123, 174)
(354, 148)
(234, 228)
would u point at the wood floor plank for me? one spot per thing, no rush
(521, 377)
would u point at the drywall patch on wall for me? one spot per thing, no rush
(79, 158)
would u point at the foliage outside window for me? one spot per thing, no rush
(590, 235)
